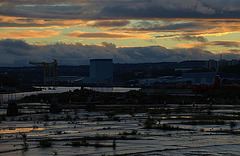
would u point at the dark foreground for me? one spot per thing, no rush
(134, 123)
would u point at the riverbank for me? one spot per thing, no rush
(142, 97)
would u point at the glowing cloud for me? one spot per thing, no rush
(28, 34)
(235, 44)
(110, 23)
(106, 35)
(208, 25)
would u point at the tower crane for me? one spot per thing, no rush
(48, 74)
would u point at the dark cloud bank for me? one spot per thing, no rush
(120, 9)
(19, 53)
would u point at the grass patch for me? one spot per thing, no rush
(97, 137)
(45, 142)
(106, 137)
(2, 118)
(165, 127)
(168, 127)
(85, 143)
(133, 132)
(215, 122)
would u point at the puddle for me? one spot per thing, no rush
(135, 139)
(19, 130)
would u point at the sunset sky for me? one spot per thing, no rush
(128, 31)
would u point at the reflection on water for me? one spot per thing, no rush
(147, 142)
(112, 89)
(181, 117)
(19, 130)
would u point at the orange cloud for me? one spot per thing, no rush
(214, 27)
(28, 34)
(192, 45)
(126, 29)
(10, 22)
(231, 51)
(109, 23)
(191, 27)
(235, 44)
(106, 35)
(184, 27)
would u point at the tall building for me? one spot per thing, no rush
(215, 65)
(101, 70)
(212, 64)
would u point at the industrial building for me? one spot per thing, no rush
(207, 78)
(199, 78)
(101, 70)
(214, 65)
(160, 80)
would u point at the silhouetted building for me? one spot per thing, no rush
(199, 78)
(212, 64)
(101, 70)
(208, 78)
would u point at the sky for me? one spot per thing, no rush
(128, 31)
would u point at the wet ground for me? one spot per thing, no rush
(196, 129)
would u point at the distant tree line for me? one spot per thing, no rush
(10, 79)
